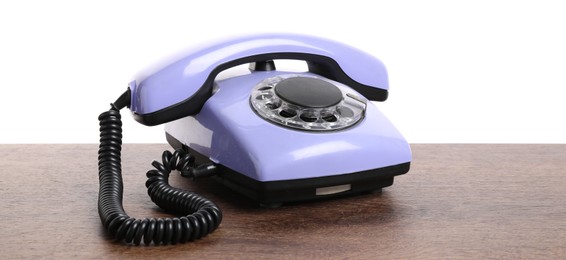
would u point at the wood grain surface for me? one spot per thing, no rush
(457, 201)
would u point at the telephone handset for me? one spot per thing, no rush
(274, 136)
(181, 88)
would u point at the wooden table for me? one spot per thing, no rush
(458, 201)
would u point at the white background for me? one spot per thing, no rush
(460, 71)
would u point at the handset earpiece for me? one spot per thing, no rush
(181, 88)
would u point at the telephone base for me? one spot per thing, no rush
(283, 191)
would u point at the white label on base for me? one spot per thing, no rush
(333, 189)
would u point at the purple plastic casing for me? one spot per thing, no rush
(230, 133)
(180, 80)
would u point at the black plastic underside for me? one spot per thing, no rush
(321, 65)
(299, 189)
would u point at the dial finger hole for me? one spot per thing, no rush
(263, 96)
(273, 105)
(345, 111)
(287, 113)
(328, 116)
(308, 117)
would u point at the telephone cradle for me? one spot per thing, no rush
(274, 136)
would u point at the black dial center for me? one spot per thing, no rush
(308, 92)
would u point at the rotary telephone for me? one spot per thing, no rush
(274, 136)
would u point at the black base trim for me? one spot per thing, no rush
(300, 189)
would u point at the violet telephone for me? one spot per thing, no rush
(273, 136)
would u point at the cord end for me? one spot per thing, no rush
(201, 171)
(123, 101)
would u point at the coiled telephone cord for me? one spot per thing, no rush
(201, 216)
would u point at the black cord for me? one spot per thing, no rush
(201, 216)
